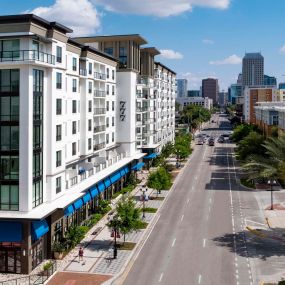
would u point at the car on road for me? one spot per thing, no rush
(200, 140)
(221, 139)
(211, 142)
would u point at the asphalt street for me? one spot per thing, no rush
(199, 237)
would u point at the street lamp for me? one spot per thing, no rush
(144, 190)
(271, 183)
(114, 223)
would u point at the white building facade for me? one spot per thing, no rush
(206, 102)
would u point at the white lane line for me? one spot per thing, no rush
(173, 243)
(199, 279)
(160, 278)
(210, 201)
(182, 217)
(204, 242)
(188, 200)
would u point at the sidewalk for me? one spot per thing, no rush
(98, 253)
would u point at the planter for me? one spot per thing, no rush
(58, 255)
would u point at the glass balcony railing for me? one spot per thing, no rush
(99, 111)
(99, 75)
(99, 93)
(99, 129)
(99, 146)
(27, 55)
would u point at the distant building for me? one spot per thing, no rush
(270, 81)
(223, 99)
(281, 85)
(235, 91)
(239, 80)
(210, 89)
(181, 88)
(193, 93)
(197, 101)
(253, 70)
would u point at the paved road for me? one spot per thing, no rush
(199, 236)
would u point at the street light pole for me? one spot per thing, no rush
(271, 183)
(143, 189)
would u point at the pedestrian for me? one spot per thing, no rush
(80, 254)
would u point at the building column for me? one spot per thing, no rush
(26, 257)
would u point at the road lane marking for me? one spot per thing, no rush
(188, 200)
(204, 242)
(160, 278)
(173, 243)
(199, 279)
(182, 217)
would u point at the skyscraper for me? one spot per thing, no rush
(270, 81)
(253, 70)
(210, 88)
(181, 87)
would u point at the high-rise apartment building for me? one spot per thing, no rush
(181, 88)
(252, 69)
(68, 130)
(270, 81)
(210, 89)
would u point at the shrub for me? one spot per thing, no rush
(58, 247)
(169, 167)
(103, 207)
(47, 266)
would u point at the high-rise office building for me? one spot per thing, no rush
(281, 85)
(193, 93)
(210, 89)
(252, 69)
(181, 87)
(270, 81)
(235, 91)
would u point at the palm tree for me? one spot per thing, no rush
(271, 164)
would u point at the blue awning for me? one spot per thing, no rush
(122, 171)
(86, 198)
(78, 204)
(107, 182)
(94, 191)
(68, 211)
(10, 232)
(101, 187)
(127, 170)
(39, 229)
(138, 166)
(115, 177)
(151, 155)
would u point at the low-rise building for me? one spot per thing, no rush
(197, 101)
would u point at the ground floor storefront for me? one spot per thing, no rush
(24, 244)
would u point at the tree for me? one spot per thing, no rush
(241, 131)
(167, 150)
(270, 164)
(128, 216)
(251, 144)
(159, 180)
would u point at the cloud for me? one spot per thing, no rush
(170, 54)
(282, 49)
(208, 42)
(233, 59)
(159, 8)
(79, 15)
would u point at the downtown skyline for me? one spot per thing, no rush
(197, 39)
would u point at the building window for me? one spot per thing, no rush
(89, 87)
(107, 122)
(9, 138)
(58, 132)
(37, 136)
(123, 57)
(10, 48)
(58, 106)
(38, 80)
(58, 80)
(74, 85)
(113, 74)
(74, 64)
(58, 185)
(89, 144)
(113, 137)
(74, 106)
(113, 121)
(89, 125)
(107, 138)
(74, 148)
(113, 105)
(74, 127)
(108, 90)
(9, 80)
(108, 72)
(9, 167)
(90, 68)
(109, 50)
(113, 90)
(9, 108)
(90, 106)
(37, 165)
(37, 198)
(107, 105)
(9, 197)
(58, 54)
(58, 158)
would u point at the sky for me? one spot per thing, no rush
(197, 38)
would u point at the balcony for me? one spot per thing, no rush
(98, 75)
(99, 129)
(82, 72)
(99, 146)
(99, 93)
(99, 111)
(27, 55)
(142, 109)
(141, 95)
